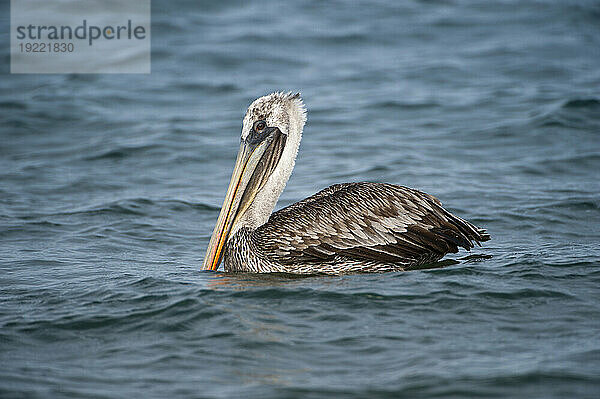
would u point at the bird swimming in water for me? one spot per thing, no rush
(345, 228)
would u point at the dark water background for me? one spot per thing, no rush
(110, 186)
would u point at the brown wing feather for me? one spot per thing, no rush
(366, 222)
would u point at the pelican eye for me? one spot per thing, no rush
(259, 126)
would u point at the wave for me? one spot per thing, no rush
(139, 206)
(578, 113)
(13, 105)
(205, 87)
(130, 206)
(123, 152)
(589, 103)
(403, 105)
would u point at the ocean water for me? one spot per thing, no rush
(110, 186)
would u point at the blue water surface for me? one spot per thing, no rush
(110, 186)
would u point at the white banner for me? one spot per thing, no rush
(80, 36)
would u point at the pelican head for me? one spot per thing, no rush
(271, 133)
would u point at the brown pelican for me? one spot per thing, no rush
(345, 228)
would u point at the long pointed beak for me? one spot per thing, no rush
(254, 164)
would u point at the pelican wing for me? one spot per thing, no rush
(366, 222)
